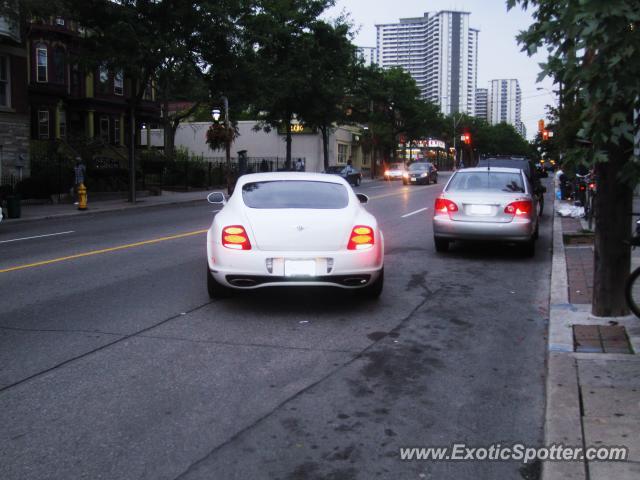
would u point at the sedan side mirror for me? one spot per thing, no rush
(364, 199)
(217, 198)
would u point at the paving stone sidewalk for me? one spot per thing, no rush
(593, 399)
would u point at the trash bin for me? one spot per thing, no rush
(13, 206)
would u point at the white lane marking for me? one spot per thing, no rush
(413, 213)
(37, 236)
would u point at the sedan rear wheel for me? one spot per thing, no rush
(215, 289)
(442, 244)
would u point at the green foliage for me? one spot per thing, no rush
(280, 33)
(594, 51)
(389, 102)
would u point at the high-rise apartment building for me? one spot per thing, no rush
(482, 104)
(505, 103)
(440, 51)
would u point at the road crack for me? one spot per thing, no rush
(359, 355)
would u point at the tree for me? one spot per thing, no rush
(279, 34)
(329, 76)
(147, 40)
(593, 52)
(180, 79)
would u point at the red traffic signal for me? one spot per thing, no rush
(466, 138)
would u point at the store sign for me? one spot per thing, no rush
(429, 143)
(297, 129)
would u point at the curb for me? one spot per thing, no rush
(90, 212)
(563, 417)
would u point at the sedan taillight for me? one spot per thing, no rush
(235, 237)
(361, 238)
(444, 206)
(519, 208)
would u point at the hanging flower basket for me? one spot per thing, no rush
(217, 136)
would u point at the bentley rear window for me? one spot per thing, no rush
(295, 194)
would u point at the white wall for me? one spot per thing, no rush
(263, 144)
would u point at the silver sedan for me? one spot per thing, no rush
(495, 204)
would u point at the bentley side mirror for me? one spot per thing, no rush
(217, 198)
(364, 199)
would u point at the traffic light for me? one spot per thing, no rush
(545, 134)
(541, 125)
(466, 138)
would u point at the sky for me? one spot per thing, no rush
(499, 54)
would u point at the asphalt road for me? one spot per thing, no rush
(114, 364)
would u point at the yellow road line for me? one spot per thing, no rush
(104, 250)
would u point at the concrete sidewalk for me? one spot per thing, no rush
(59, 210)
(593, 390)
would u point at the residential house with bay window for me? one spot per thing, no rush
(14, 107)
(72, 105)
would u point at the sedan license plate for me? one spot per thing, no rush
(413, 179)
(299, 268)
(480, 209)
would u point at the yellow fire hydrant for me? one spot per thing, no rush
(82, 197)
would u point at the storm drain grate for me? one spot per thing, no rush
(600, 339)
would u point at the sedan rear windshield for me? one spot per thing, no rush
(414, 167)
(295, 194)
(486, 181)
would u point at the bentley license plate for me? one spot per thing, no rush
(299, 268)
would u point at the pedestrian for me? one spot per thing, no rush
(299, 166)
(80, 175)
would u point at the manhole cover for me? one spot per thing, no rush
(600, 339)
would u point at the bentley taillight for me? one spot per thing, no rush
(361, 238)
(235, 237)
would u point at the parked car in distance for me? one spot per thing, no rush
(291, 229)
(523, 164)
(420, 173)
(352, 175)
(487, 203)
(394, 171)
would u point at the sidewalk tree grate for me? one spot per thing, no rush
(601, 339)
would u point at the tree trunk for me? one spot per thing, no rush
(612, 255)
(132, 153)
(287, 160)
(325, 146)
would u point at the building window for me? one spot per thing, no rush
(62, 124)
(104, 128)
(116, 131)
(4, 82)
(103, 79)
(42, 62)
(343, 150)
(118, 83)
(43, 124)
(59, 73)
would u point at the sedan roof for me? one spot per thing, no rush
(491, 169)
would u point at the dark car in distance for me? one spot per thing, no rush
(348, 172)
(420, 173)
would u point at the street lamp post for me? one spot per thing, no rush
(456, 121)
(215, 114)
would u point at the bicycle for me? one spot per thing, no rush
(632, 286)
